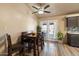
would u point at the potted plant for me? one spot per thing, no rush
(38, 28)
(60, 36)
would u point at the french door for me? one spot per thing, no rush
(49, 27)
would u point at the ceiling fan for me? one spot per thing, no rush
(41, 10)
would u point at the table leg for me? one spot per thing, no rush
(34, 47)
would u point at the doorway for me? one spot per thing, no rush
(50, 29)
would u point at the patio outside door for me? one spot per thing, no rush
(49, 27)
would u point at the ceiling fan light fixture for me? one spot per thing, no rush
(40, 12)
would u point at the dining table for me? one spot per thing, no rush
(33, 37)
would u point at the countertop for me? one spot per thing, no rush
(73, 32)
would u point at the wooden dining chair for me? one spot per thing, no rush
(25, 42)
(28, 43)
(13, 48)
(40, 40)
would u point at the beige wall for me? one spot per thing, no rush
(16, 18)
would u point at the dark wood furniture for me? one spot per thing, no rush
(72, 24)
(72, 21)
(12, 48)
(40, 39)
(33, 44)
(29, 42)
(73, 40)
(32, 41)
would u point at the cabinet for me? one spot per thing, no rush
(72, 22)
(73, 39)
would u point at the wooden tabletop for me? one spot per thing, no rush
(33, 35)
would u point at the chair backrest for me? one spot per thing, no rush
(24, 37)
(9, 44)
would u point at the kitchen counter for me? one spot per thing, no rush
(73, 39)
(73, 32)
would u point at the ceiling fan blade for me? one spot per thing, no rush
(35, 7)
(34, 12)
(46, 6)
(47, 11)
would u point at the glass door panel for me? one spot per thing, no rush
(49, 28)
(44, 29)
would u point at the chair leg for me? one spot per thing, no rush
(38, 49)
(41, 45)
(43, 42)
(34, 49)
(22, 53)
(9, 52)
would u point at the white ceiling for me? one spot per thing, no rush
(58, 9)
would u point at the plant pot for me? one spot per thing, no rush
(60, 41)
